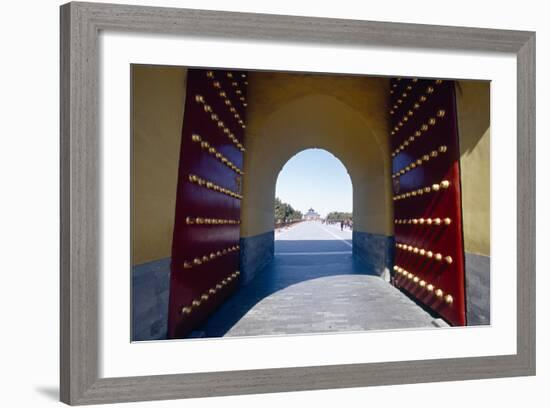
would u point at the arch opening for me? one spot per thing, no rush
(313, 204)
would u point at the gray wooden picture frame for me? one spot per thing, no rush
(80, 189)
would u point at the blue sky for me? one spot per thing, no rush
(315, 178)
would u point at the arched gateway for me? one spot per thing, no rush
(292, 113)
(397, 138)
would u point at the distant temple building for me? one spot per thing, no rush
(312, 215)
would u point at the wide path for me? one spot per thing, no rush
(314, 285)
(315, 231)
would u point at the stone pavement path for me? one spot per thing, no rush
(314, 285)
(314, 231)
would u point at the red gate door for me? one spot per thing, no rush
(205, 246)
(429, 256)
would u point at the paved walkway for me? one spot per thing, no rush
(314, 285)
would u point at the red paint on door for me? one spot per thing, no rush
(429, 254)
(205, 246)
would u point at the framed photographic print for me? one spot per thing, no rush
(291, 203)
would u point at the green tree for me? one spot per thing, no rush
(337, 216)
(285, 213)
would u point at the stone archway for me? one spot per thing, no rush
(343, 115)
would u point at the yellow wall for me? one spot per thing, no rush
(345, 115)
(473, 105)
(157, 113)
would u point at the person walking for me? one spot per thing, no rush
(342, 225)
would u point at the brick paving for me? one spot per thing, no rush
(315, 285)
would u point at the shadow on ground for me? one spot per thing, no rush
(312, 246)
(294, 262)
(51, 393)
